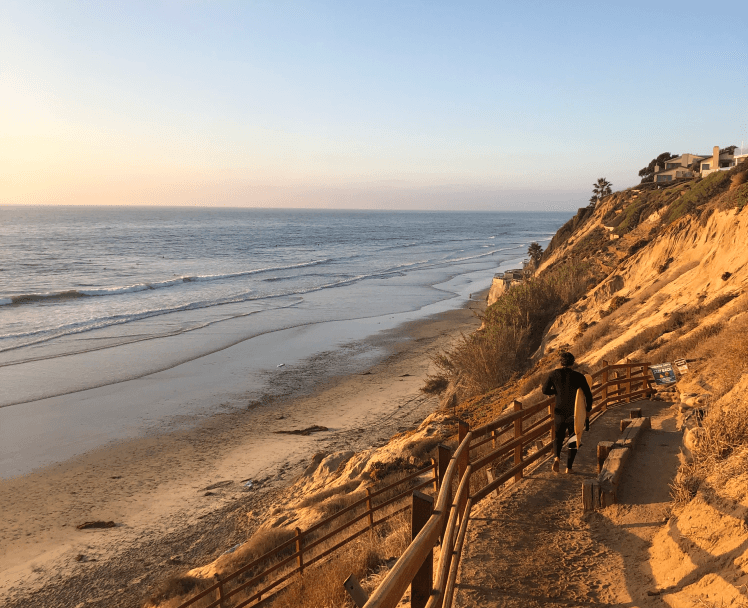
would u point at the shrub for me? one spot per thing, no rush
(700, 194)
(617, 302)
(435, 384)
(177, 586)
(665, 265)
(724, 434)
(513, 328)
(640, 244)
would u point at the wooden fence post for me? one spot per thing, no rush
(551, 413)
(604, 393)
(435, 471)
(300, 558)
(635, 413)
(369, 508)
(603, 449)
(220, 590)
(420, 586)
(354, 589)
(494, 438)
(590, 494)
(517, 435)
(464, 429)
(628, 377)
(444, 455)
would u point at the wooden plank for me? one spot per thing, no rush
(299, 550)
(499, 481)
(590, 493)
(457, 553)
(603, 449)
(392, 588)
(446, 550)
(506, 419)
(420, 587)
(604, 394)
(508, 447)
(354, 589)
(517, 435)
(462, 462)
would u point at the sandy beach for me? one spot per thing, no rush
(179, 499)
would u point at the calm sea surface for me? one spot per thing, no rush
(116, 323)
(67, 271)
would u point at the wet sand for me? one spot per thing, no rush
(179, 499)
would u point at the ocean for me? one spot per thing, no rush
(98, 296)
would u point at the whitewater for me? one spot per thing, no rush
(99, 297)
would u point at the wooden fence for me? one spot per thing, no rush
(307, 547)
(517, 439)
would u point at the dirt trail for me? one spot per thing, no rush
(534, 546)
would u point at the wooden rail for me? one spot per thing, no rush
(305, 542)
(520, 428)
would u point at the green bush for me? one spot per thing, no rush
(700, 194)
(513, 329)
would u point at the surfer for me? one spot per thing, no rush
(564, 384)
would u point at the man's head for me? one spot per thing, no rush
(567, 359)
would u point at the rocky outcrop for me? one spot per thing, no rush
(498, 287)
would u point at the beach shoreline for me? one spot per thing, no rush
(178, 499)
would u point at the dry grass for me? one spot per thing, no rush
(513, 329)
(366, 558)
(722, 443)
(316, 499)
(435, 385)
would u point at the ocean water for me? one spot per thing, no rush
(67, 271)
(120, 322)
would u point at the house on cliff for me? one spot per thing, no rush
(675, 168)
(722, 161)
(688, 165)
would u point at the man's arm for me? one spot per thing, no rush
(548, 387)
(587, 393)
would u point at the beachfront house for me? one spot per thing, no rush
(680, 166)
(722, 161)
(688, 165)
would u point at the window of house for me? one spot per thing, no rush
(705, 167)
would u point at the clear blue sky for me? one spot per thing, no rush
(460, 105)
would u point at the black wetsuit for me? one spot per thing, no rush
(564, 383)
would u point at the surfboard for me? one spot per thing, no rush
(580, 413)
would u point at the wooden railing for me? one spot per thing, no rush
(518, 439)
(308, 547)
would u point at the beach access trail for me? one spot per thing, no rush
(535, 546)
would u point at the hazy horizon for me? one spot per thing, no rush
(486, 106)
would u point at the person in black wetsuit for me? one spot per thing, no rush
(564, 383)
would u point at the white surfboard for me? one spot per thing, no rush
(580, 413)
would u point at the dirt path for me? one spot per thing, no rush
(534, 546)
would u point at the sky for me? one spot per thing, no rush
(384, 105)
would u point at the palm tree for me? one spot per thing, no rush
(593, 201)
(601, 189)
(535, 251)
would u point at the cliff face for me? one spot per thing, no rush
(654, 268)
(675, 268)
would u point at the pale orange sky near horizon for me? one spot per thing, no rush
(325, 104)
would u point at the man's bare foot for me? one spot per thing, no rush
(555, 465)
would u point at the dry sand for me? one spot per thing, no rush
(179, 499)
